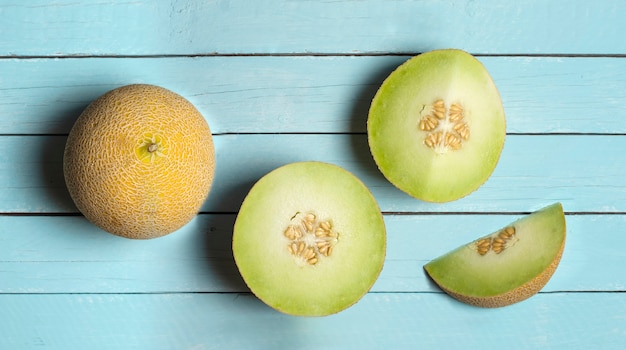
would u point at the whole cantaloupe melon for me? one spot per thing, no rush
(139, 161)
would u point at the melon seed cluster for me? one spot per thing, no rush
(446, 128)
(498, 244)
(311, 238)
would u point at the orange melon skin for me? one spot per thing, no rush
(139, 161)
(516, 295)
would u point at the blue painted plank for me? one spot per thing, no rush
(239, 321)
(174, 27)
(585, 172)
(306, 94)
(46, 254)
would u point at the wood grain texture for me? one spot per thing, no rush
(306, 94)
(240, 321)
(68, 255)
(175, 27)
(584, 172)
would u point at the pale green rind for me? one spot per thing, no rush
(260, 248)
(397, 144)
(466, 273)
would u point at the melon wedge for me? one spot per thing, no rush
(507, 266)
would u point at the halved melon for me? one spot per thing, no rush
(507, 266)
(309, 239)
(436, 127)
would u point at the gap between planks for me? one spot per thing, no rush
(305, 54)
(386, 213)
(251, 294)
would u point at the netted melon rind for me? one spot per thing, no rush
(123, 193)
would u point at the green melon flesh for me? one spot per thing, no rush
(398, 144)
(516, 273)
(286, 282)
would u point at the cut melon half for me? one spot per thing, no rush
(507, 266)
(436, 126)
(309, 239)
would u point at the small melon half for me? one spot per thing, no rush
(436, 126)
(507, 266)
(139, 161)
(309, 239)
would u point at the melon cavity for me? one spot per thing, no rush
(507, 266)
(309, 239)
(436, 126)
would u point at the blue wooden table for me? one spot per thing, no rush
(283, 81)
